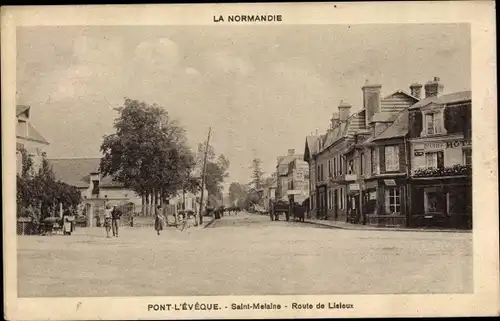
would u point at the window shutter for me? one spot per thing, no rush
(382, 159)
(440, 160)
(402, 158)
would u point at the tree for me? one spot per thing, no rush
(148, 153)
(40, 192)
(257, 173)
(216, 170)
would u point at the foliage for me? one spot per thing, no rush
(216, 170)
(257, 173)
(446, 171)
(39, 194)
(149, 152)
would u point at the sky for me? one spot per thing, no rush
(262, 89)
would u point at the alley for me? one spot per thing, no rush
(245, 254)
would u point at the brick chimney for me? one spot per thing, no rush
(335, 120)
(371, 101)
(433, 88)
(344, 111)
(291, 152)
(416, 90)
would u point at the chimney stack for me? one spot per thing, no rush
(335, 120)
(416, 90)
(344, 111)
(433, 88)
(291, 152)
(371, 101)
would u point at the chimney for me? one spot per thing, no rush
(335, 120)
(433, 88)
(291, 152)
(416, 90)
(371, 101)
(344, 111)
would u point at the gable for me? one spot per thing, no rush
(397, 102)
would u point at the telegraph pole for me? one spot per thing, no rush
(203, 176)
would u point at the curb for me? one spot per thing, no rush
(386, 228)
(209, 223)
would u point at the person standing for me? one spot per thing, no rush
(115, 222)
(159, 221)
(107, 220)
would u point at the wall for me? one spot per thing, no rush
(451, 146)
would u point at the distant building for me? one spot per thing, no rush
(269, 193)
(298, 181)
(282, 174)
(96, 190)
(29, 138)
(310, 151)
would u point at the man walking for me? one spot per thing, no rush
(115, 215)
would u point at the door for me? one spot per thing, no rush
(335, 204)
(356, 209)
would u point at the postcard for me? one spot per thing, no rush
(250, 161)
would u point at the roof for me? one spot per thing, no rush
(401, 92)
(35, 136)
(312, 144)
(76, 171)
(353, 125)
(21, 109)
(397, 129)
(453, 98)
(285, 160)
(384, 117)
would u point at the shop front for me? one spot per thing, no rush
(442, 202)
(354, 203)
(384, 202)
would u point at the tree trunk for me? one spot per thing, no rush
(143, 208)
(147, 203)
(151, 203)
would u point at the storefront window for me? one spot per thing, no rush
(392, 200)
(435, 201)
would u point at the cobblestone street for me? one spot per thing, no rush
(244, 255)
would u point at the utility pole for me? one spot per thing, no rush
(203, 176)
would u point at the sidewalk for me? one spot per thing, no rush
(350, 226)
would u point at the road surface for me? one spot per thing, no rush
(245, 254)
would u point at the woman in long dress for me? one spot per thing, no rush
(159, 221)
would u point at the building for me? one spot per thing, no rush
(96, 190)
(28, 138)
(440, 146)
(310, 151)
(269, 193)
(345, 188)
(187, 201)
(282, 174)
(298, 181)
(382, 159)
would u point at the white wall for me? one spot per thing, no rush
(452, 149)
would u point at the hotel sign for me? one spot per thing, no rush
(354, 187)
(390, 182)
(420, 149)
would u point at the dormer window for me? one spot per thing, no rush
(433, 121)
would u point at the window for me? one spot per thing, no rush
(434, 160)
(435, 201)
(392, 200)
(95, 188)
(467, 155)
(350, 167)
(374, 159)
(362, 164)
(322, 172)
(433, 123)
(341, 165)
(335, 166)
(391, 158)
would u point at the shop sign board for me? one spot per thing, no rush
(389, 182)
(354, 187)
